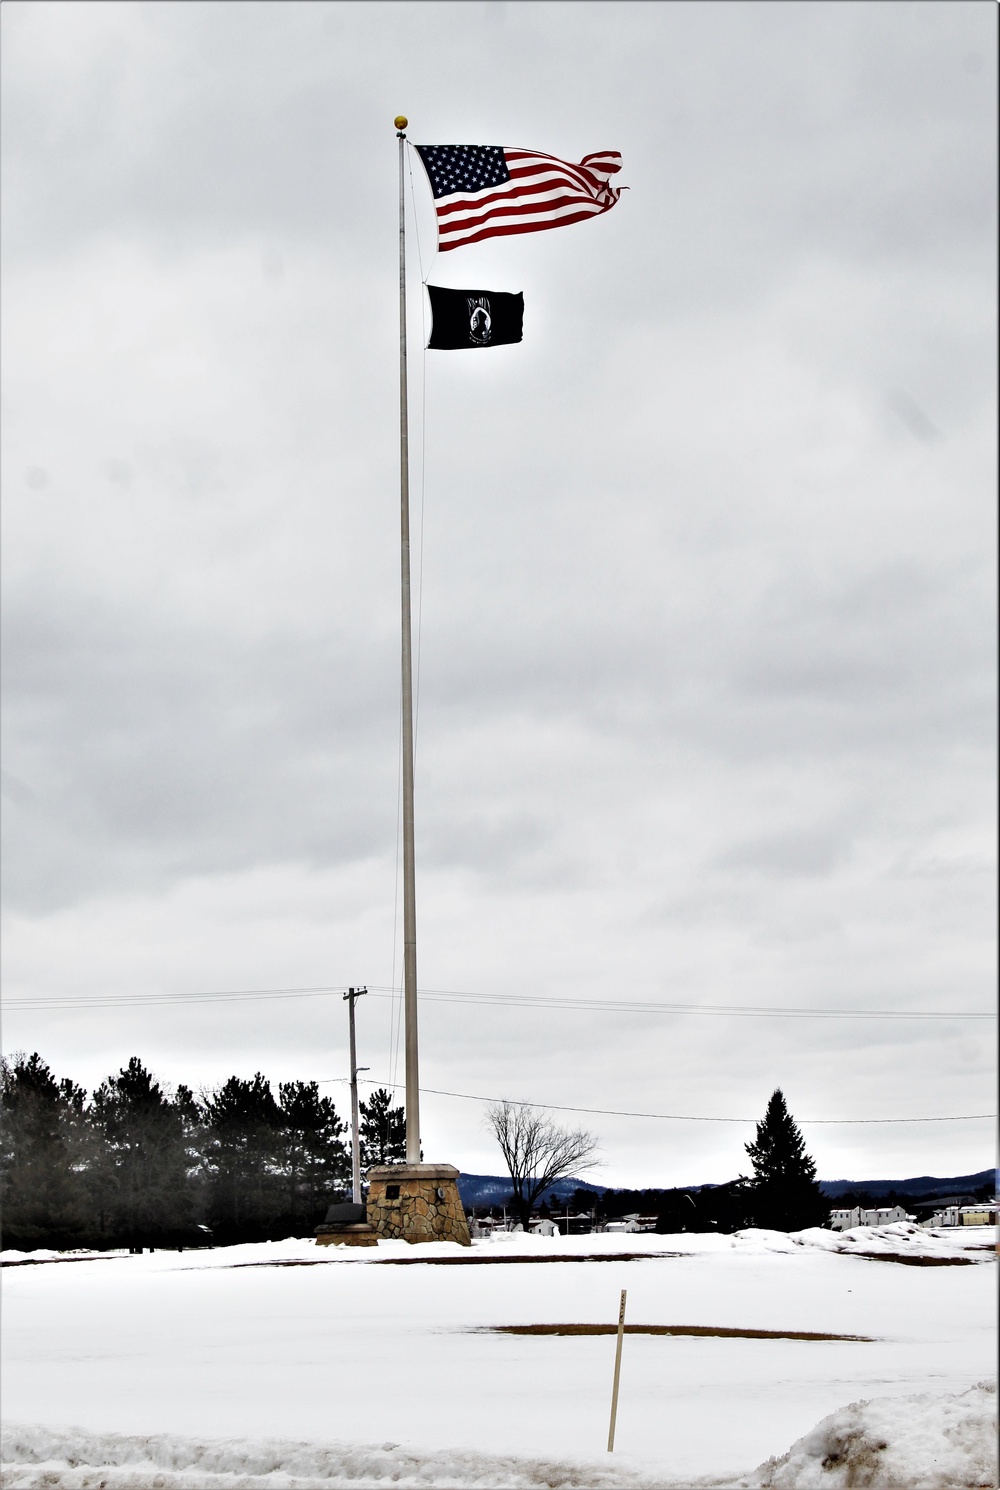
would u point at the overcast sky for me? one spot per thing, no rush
(706, 662)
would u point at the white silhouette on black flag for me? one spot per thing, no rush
(474, 318)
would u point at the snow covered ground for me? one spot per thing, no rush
(289, 1365)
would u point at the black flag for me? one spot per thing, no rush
(474, 318)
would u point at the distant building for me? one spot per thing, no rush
(937, 1205)
(979, 1215)
(580, 1224)
(634, 1222)
(982, 1213)
(882, 1216)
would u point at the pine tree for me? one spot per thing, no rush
(314, 1159)
(382, 1131)
(242, 1158)
(784, 1195)
(42, 1193)
(140, 1174)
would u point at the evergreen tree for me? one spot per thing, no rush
(382, 1130)
(194, 1137)
(784, 1194)
(42, 1193)
(242, 1158)
(314, 1160)
(140, 1174)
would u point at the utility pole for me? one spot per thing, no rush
(352, 995)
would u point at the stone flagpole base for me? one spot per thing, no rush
(417, 1203)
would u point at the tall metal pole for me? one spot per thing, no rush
(409, 892)
(350, 996)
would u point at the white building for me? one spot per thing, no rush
(545, 1227)
(883, 1216)
(633, 1222)
(624, 1223)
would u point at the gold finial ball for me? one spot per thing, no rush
(401, 121)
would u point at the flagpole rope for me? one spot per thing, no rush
(396, 995)
(423, 437)
(413, 204)
(420, 545)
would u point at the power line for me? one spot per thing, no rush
(673, 1117)
(149, 1000)
(464, 996)
(637, 1006)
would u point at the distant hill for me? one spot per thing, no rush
(927, 1185)
(495, 1189)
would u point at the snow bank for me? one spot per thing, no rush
(889, 1443)
(211, 1350)
(901, 1239)
(70, 1459)
(915, 1443)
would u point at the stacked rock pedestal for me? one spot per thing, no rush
(417, 1203)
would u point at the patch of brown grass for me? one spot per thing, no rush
(465, 1261)
(700, 1330)
(41, 1262)
(915, 1260)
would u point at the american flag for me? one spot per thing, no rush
(488, 191)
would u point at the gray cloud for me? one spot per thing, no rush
(706, 661)
(788, 854)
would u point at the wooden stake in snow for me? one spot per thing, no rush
(618, 1370)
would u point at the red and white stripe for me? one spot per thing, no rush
(542, 193)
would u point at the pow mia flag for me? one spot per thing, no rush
(474, 318)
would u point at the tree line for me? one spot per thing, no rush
(781, 1194)
(134, 1164)
(137, 1165)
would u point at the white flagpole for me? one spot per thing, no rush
(409, 892)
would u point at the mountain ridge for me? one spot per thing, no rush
(495, 1189)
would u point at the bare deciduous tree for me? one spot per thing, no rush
(537, 1151)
